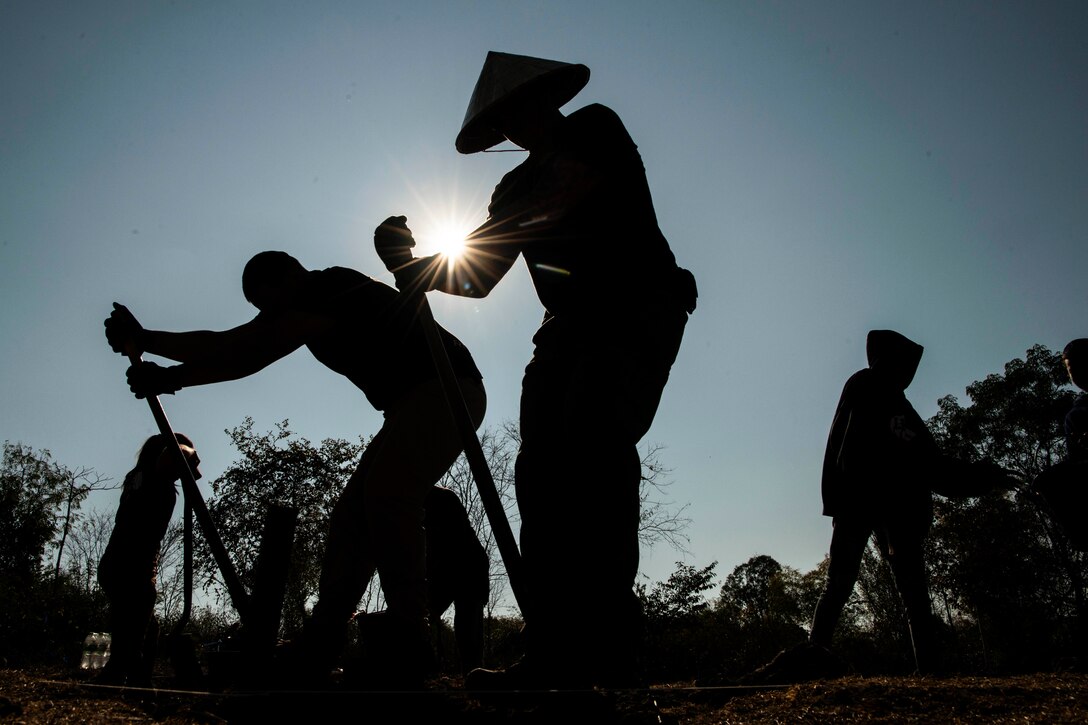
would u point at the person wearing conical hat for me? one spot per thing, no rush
(579, 211)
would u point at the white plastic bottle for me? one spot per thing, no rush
(107, 640)
(88, 652)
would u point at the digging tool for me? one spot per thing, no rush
(238, 595)
(481, 473)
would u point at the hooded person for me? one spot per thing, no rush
(579, 211)
(880, 467)
(876, 472)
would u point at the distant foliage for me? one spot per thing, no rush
(42, 608)
(1003, 573)
(770, 604)
(1014, 419)
(277, 467)
(33, 490)
(680, 640)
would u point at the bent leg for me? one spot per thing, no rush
(377, 524)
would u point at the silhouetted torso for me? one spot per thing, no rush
(377, 344)
(143, 516)
(879, 451)
(585, 221)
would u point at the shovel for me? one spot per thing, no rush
(485, 484)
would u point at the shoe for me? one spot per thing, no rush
(394, 655)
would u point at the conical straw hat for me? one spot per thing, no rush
(505, 78)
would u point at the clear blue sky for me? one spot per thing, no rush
(823, 168)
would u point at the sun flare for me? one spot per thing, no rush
(447, 239)
(442, 223)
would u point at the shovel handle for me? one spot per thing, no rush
(238, 595)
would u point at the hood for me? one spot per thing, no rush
(893, 355)
(506, 77)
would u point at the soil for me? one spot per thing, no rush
(45, 696)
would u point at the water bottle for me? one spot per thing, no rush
(88, 648)
(96, 650)
(104, 651)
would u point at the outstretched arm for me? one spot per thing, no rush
(213, 357)
(206, 356)
(486, 259)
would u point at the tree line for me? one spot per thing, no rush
(1006, 585)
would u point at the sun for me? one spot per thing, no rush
(443, 225)
(447, 239)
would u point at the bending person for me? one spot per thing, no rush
(367, 332)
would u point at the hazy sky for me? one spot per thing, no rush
(824, 168)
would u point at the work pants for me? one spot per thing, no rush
(377, 524)
(127, 576)
(901, 546)
(588, 397)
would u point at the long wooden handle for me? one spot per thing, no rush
(238, 595)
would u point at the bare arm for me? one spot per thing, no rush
(212, 357)
(487, 257)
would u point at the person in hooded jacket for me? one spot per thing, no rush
(876, 482)
(579, 211)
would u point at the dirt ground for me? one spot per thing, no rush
(43, 696)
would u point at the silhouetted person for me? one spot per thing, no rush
(876, 481)
(1075, 356)
(362, 329)
(1064, 486)
(457, 573)
(579, 211)
(129, 566)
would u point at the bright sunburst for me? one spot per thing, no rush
(447, 239)
(443, 221)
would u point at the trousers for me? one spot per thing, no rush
(588, 397)
(902, 548)
(377, 523)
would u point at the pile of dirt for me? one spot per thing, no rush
(44, 696)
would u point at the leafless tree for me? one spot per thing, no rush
(86, 543)
(78, 484)
(660, 520)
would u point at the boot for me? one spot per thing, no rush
(394, 654)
